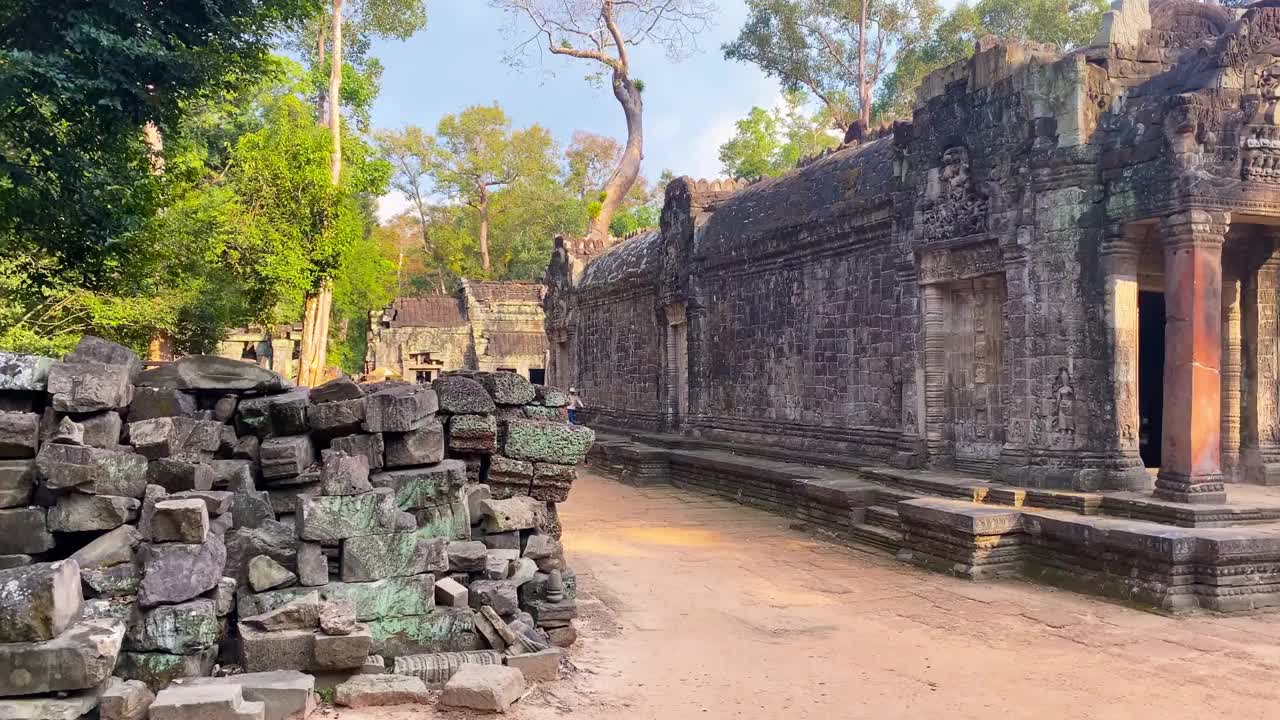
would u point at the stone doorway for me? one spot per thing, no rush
(1151, 325)
(973, 318)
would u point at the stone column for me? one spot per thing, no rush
(1260, 429)
(1120, 270)
(282, 357)
(1231, 378)
(935, 376)
(1190, 455)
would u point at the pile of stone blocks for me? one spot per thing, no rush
(215, 516)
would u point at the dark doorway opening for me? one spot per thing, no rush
(538, 376)
(1150, 376)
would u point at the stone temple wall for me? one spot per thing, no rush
(960, 290)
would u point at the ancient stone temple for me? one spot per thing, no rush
(1057, 282)
(485, 325)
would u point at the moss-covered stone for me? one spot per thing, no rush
(441, 630)
(337, 517)
(178, 629)
(547, 442)
(159, 669)
(424, 486)
(461, 395)
(473, 433)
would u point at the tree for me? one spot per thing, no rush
(589, 161)
(390, 18)
(601, 32)
(770, 143)
(838, 50)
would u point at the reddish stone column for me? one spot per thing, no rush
(1190, 457)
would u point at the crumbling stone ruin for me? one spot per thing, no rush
(1031, 330)
(485, 325)
(198, 539)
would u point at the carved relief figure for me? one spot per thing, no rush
(1064, 419)
(1262, 136)
(953, 208)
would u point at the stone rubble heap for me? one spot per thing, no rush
(155, 524)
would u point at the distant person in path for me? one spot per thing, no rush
(575, 403)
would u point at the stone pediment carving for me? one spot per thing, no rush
(945, 265)
(1261, 161)
(953, 207)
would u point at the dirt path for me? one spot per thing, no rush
(698, 608)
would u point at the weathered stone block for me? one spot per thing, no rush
(467, 556)
(551, 483)
(223, 596)
(501, 595)
(540, 666)
(125, 700)
(113, 548)
(424, 446)
(177, 572)
(212, 373)
(205, 702)
(173, 436)
(265, 574)
(67, 432)
(272, 538)
(159, 669)
(216, 502)
(92, 470)
(342, 474)
(80, 657)
(29, 373)
(552, 414)
(425, 486)
(370, 445)
(300, 613)
(547, 442)
(339, 417)
(445, 520)
(19, 434)
(116, 581)
(336, 390)
(473, 433)
(184, 521)
(507, 388)
(97, 350)
(284, 694)
(89, 386)
(72, 706)
(178, 474)
(149, 403)
(374, 557)
(38, 602)
(273, 415)
(313, 566)
(337, 517)
(508, 478)
(435, 669)
(378, 690)
(336, 652)
(82, 513)
(282, 457)
(400, 408)
(178, 629)
(451, 593)
(392, 597)
(441, 630)
(17, 479)
(284, 500)
(24, 531)
(484, 687)
(338, 617)
(549, 396)
(460, 395)
(517, 513)
(101, 430)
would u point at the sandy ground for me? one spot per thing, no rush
(693, 607)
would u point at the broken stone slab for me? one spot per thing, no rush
(179, 629)
(374, 557)
(176, 474)
(473, 494)
(370, 445)
(223, 596)
(274, 415)
(389, 598)
(12, 561)
(339, 417)
(212, 373)
(158, 670)
(336, 390)
(549, 396)
(514, 642)
(284, 500)
(424, 446)
(484, 687)
(540, 666)
(233, 475)
(338, 517)
(424, 486)
(522, 571)
(251, 508)
(547, 442)
(17, 480)
(24, 531)
(125, 700)
(338, 617)
(73, 706)
(380, 690)
(501, 595)
(460, 395)
(373, 665)
(282, 457)
(182, 520)
(313, 566)
(546, 612)
(95, 349)
(340, 652)
(508, 540)
(517, 513)
(441, 630)
(101, 430)
(507, 388)
(272, 538)
(115, 581)
(38, 602)
(537, 412)
(149, 403)
(285, 694)
(399, 408)
(120, 609)
(451, 593)
(19, 435)
(84, 513)
(435, 669)
(216, 502)
(89, 386)
(177, 572)
(25, 373)
(224, 409)
(113, 548)
(205, 702)
(80, 657)
(305, 650)
(551, 483)
(300, 613)
(467, 555)
(342, 474)
(248, 448)
(473, 433)
(266, 574)
(508, 478)
(172, 436)
(92, 470)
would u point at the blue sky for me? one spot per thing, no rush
(458, 60)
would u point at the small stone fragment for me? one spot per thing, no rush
(451, 593)
(484, 687)
(69, 432)
(518, 513)
(540, 666)
(313, 566)
(381, 690)
(338, 617)
(342, 474)
(183, 520)
(301, 613)
(286, 456)
(265, 574)
(423, 446)
(125, 700)
(82, 513)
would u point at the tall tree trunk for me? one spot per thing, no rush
(484, 229)
(315, 335)
(864, 88)
(322, 98)
(629, 166)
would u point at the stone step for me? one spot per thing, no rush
(881, 516)
(875, 536)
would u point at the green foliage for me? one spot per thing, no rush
(770, 143)
(367, 280)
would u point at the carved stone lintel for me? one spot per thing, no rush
(961, 263)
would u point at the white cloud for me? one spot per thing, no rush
(391, 205)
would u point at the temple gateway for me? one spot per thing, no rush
(1057, 282)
